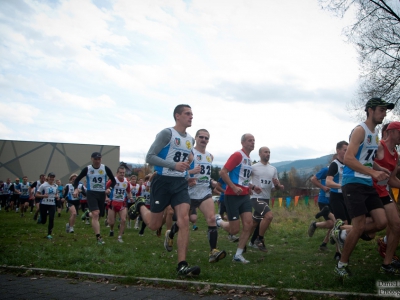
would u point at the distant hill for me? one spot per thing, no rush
(305, 166)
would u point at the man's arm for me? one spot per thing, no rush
(110, 177)
(162, 139)
(80, 176)
(318, 184)
(332, 171)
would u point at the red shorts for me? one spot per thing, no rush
(117, 206)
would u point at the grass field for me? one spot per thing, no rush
(293, 260)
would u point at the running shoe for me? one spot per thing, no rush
(216, 255)
(71, 229)
(85, 214)
(49, 237)
(381, 247)
(336, 236)
(323, 247)
(100, 241)
(87, 222)
(120, 239)
(158, 231)
(134, 210)
(312, 228)
(129, 224)
(240, 258)
(395, 262)
(168, 242)
(218, 218)
(252, 245)
(337, 256)
(233, 238)
(323, 213)
(195, 227)
(260, 245)
(342, 272)
(67, 227)
(337, 224)
(111, 233)
(188, 271)
(389, 269)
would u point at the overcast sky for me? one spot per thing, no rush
(111, 72)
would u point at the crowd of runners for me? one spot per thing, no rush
(354, 196)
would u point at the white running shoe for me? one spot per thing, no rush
(120, 239)
(240, 258)
(67, 227)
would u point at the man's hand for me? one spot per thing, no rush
(76, 193)
(326, 189)
(237, 190)
(195, 170)
(380, 175)
(257, 189)
(182, 166)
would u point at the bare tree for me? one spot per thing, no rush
(376, 34)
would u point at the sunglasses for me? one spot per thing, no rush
(203, 137)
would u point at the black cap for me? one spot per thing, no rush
(51, 174)
(374, 102)
(96, 155)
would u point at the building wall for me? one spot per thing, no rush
(23, 158)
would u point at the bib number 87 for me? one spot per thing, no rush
(178, 155)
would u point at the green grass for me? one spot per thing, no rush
(293, 260)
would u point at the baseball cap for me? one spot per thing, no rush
(96, 155)
(51, 174)
(374, 102)
(393, 125)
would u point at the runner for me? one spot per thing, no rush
(48, 193)
(387, 158)
(15, 195)
(72, 202)
(336, 200)
(33, 190)
(60, 192)
(236, 173)
(130, 201)
(358, 191)
(171, 155)
(201, 195)
(24, 196)
(117, 198)
(319, 180)
(96, 178)
(264, 176)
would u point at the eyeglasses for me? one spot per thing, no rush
(203, 137)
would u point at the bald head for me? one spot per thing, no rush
(264, 154)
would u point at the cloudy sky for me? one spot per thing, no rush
(112, 71)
